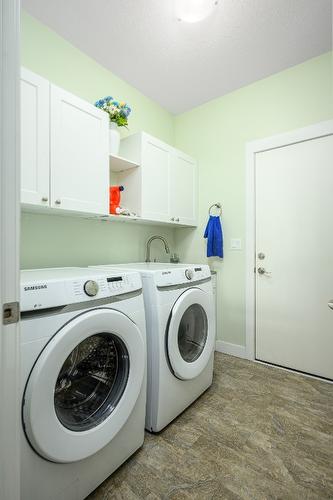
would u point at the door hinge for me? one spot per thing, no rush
(10, 313)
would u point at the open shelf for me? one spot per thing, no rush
(119, 164)
(137, 220)
(127, 219)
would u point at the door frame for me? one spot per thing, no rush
(314, 131)
(9, 247)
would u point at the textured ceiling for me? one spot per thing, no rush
(182, 65)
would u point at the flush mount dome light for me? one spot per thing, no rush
(193, 11)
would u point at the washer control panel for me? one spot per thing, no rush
(107, 285)
(53, 288)
(116, 282)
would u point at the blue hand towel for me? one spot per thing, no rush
(214, 236)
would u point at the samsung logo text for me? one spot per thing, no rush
(34, 287)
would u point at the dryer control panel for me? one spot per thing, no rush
(165, 274)
(47, 288)
(182, 274)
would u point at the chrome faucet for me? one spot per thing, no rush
(149, 242)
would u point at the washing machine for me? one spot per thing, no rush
(181, 333)
(83, 351)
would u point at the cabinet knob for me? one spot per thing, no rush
(172, 218)
(45, 198)
(177, 220)
(58, 202)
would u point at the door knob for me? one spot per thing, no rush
(262, 271)
(330, 304)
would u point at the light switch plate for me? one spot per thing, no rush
(235, 244)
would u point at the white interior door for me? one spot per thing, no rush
(79, 154)
(294, 276)
(35, 132)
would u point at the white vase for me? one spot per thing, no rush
(114, 139)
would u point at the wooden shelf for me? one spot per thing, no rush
(119, 164)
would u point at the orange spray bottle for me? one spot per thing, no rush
(115, 199)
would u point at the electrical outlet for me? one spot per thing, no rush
(235, 244)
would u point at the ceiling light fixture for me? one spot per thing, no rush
(193, 11)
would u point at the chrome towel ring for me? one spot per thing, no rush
(217, 206)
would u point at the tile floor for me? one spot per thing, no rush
(257, 433)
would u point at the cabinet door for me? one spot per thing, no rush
(79, 154)
(156, 159)
(183, 189)
(35, 120)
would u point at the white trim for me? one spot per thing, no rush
(294, 372)
(9, 247)
(239, 351)
(315, 131)
(232, 349)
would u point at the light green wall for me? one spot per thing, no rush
(53, 241)
(59, 241)
(48, 54)
(216, 134)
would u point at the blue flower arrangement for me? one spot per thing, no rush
(118, 111)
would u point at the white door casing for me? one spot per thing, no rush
(35, 143)
(292, 177)
(9, 247)
(183, 369)
(79, 154)
(45, 432)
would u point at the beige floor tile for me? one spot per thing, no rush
(258, 433)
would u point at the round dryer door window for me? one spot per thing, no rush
(191, 333)
(84, 385)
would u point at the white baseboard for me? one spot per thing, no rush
(233, 349)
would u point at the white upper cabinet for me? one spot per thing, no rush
(35, 154)
(65, 161)
(79, 154)
(183, 188)
(156, 162)
(64, 149)
(164, 187)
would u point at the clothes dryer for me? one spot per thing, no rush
(180, 322)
